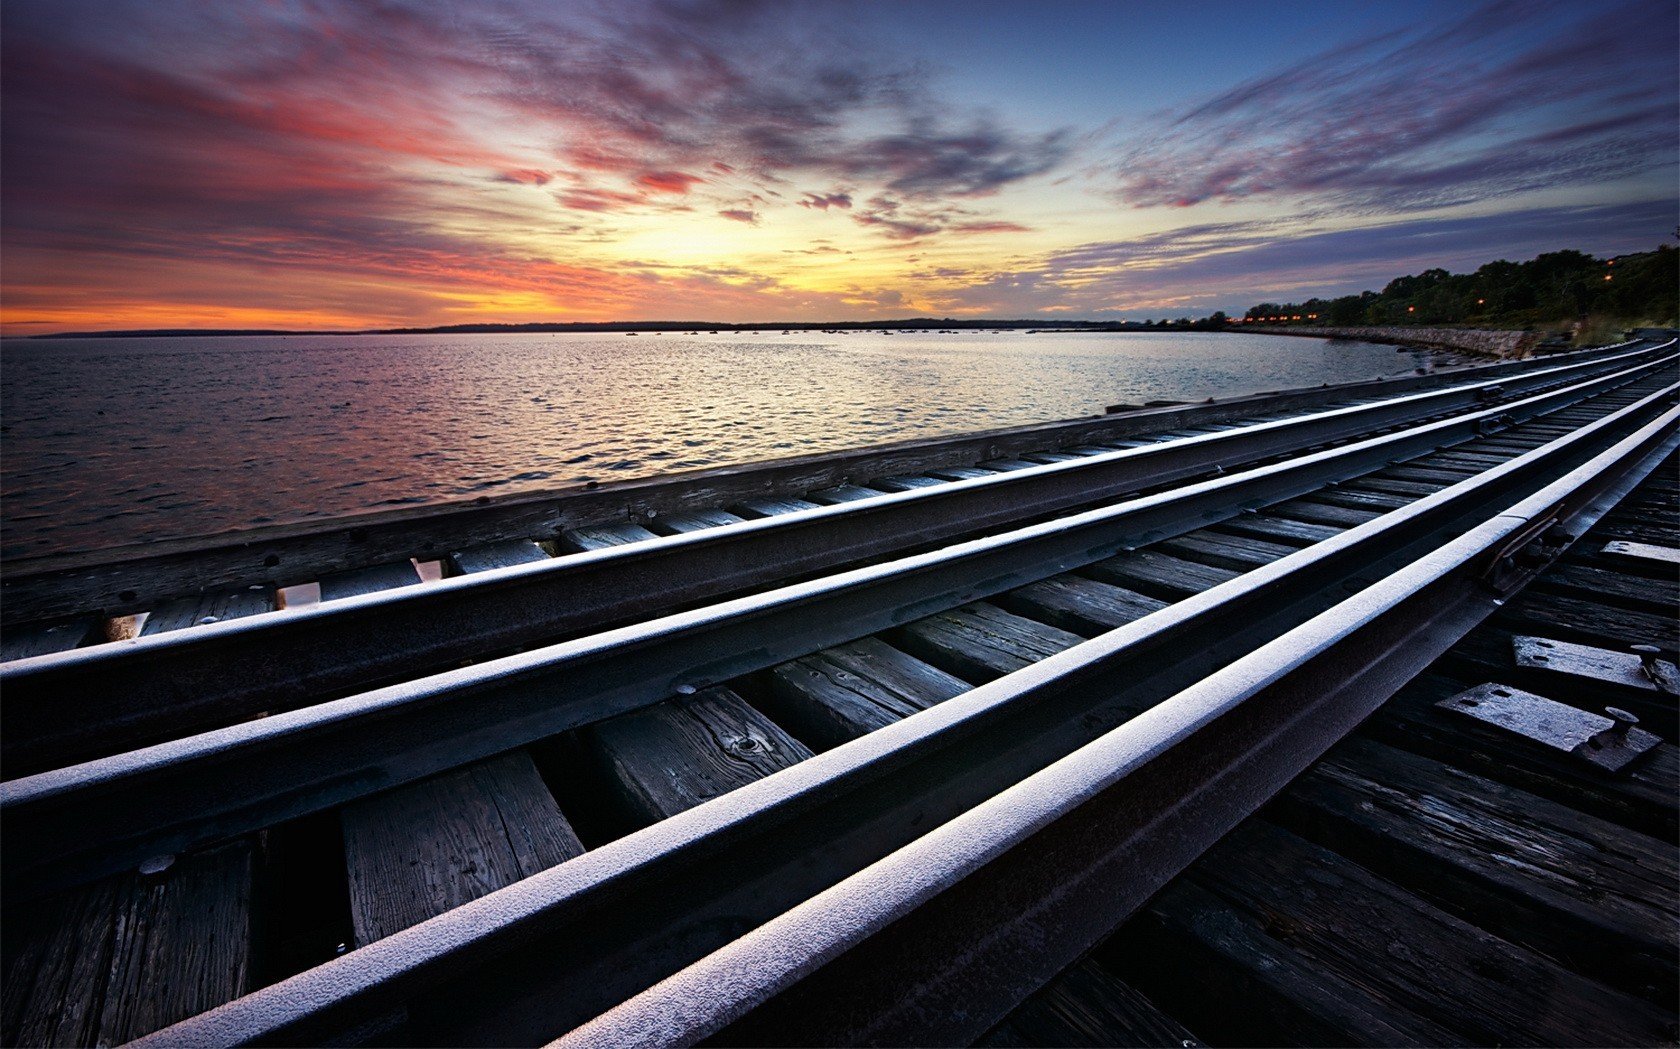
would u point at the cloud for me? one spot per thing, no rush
(741, 215)
(824, 201)
(991, 227)
(926, 162)
(599, 199)
(526, 177)
(903, 220)
(1232, 265)
(667, 181)
(337, 129)
(1513, 95)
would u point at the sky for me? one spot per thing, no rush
(331, 164)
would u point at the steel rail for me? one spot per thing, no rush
(102, 815)
(128, 580)
(137, 692)
(552, 951)
(935, 943)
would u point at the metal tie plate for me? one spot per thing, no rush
(1667, 555)
(1640, 668)
(1607, 742)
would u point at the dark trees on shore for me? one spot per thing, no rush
(1556, 286)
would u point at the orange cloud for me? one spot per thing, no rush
(667, 181)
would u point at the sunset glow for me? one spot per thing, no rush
(321, 165)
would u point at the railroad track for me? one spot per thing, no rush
(512, 594)
(55, 603)
(1152, 664)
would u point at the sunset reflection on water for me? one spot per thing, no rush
(111, 441)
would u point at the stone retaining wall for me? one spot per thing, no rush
(1482, 341)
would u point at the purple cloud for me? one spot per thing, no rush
(1513, 96)
(824, 201)
(1232, 265)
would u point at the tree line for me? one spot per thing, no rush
(1553, 288)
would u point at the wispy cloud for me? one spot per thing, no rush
(1514, 95)
(1226, 265)
(406, 160)
(252, 123)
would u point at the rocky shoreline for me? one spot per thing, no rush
(1482, 342)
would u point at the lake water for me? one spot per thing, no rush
(113, 441)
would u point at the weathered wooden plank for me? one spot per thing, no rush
(1512, 444)
(599, 537)
(674, 755)
(906, 482)
(44, 638)
(1322, 513)
(1551, 429)
(1588, 581)
(960, 473)
(1051, 457)
(1591, 622)
(1661, 535)
(209, 608)
(1575, 887)
(1662, 519)
(1442, 473)
(1406, 952)
(108, 962)
(1463, 457)
(1240, 553)
(841, 693)
(1197, 957)
(198, 910)
(1641, 797)
(772, 507)
(1089, 1006)
(360, 581)
(693, 521)
(1381, 502)
(1079, 605)
(1658, 515)
(1084, 450)
(422, 849)
(1572, 416)
(1159, 574)
(841, 493)
(980, 641)
(1393, 486)
(1280, 529)
(487, 556)
(1010, 463)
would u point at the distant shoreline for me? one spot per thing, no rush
(587, 327)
